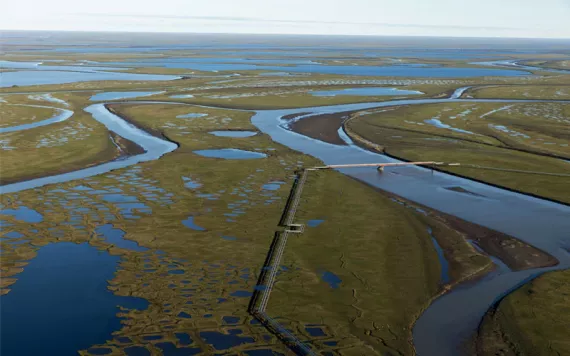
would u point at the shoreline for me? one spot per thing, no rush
(122, 148)
(367, 145)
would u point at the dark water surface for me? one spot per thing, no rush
(60, 303)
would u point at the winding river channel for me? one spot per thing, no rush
(454, 316)
(61, 115)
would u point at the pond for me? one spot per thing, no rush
(437, 123)
(116, 237)
(315, 223)
(189, 222)
(62, 288)
(24, 214)
(228, 133)
(230, 153)
(115, 95)
(332, 279)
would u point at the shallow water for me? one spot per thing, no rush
(515, 64)
(239, 134)
(437, 123)
(242, 294)
(230, 153)
(30, 77)
(380, 91)
(42, 312)
(24, 214)
(209, 60)
(61, 115)
(154, 147)
(315, 222)
(332, 279)
(215, 65)
(48, 97)
(39, 66)
(116, 237)
(115, 95)
(189, 222)
(190, 183)
(444, 275)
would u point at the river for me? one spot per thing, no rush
(454, 316)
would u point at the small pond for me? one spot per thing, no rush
(24, 214)
(116, 237)
(437, 123)
(332, 279)
(189, 222)
(116, 95)
(233, 133)
(230, 153)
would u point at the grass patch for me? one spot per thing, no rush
(547, 92)
(13, 115)
(380, 258)
(61, 147)
(533, 320)
(525, 137)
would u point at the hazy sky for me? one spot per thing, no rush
(496, 18)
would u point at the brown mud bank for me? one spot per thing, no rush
(371, 146)
(325, 128)
(322, 127)
(516, 254)
(466, 248)
(156, 133)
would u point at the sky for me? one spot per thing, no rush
(458, 18)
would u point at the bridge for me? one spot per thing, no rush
(381, 166)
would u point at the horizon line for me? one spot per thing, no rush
(284, 34)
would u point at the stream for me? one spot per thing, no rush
(61, 115)
(451, 318)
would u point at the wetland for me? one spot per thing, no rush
(143, 208)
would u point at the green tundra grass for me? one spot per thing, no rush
(531, 137)
(532, 320)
